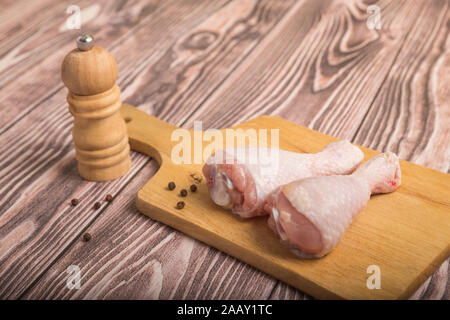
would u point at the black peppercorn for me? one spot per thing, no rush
(193, 188)
(86, 237)
(109, 198)
(74, 202)
(97, 205)
(171, 185)
(183, 193)
(180, 205)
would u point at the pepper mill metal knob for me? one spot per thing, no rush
(99, 132)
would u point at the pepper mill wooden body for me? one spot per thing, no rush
(99, 132)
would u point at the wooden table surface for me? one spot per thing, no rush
(313, 62)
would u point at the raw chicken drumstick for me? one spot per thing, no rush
(242, 185)
(310, 216)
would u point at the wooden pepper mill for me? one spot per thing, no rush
(99, 132)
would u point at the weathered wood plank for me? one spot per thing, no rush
(50, 125)
(30, 67)
(412, 111)
(130, 83)
(127, 258)
(151, 96)
(40, 159)
(235, 271)
(200, 60)
(339, 111)
(410, 114)
(14, 13)
(43, 34)
(282, 291)
(338, 74)
(175, 98)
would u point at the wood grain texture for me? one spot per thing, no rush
(182, 77)
(14, 30)
(283, 291)
(407, 246)
(338, 75)
(140, 39)
(200, 60)
(32, 70)
(234, 272)
(406, 233)
(46, 163)
(410, 114)
(127, 259)
(411, 111)
(333, 89)
(29, 62)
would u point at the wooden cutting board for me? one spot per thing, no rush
(405, 233)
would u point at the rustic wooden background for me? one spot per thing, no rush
(221, 61)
